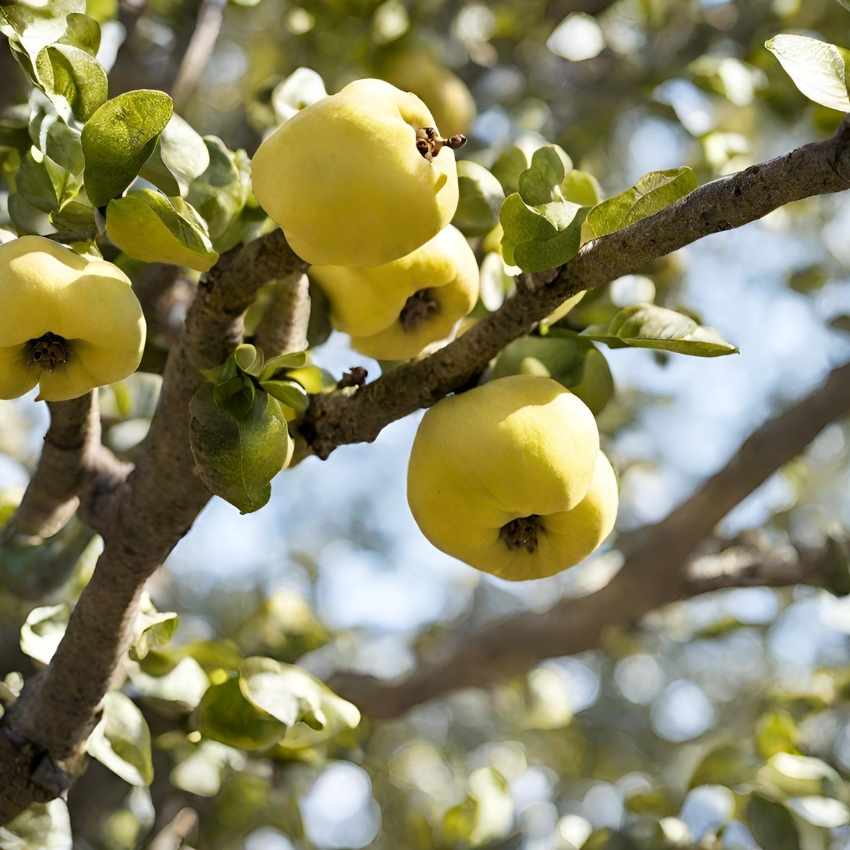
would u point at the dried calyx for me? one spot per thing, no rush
(49, 351)
(418, 309)
(429, 142)
(522, 533)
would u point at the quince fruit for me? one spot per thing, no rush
(359, 178)
(67, 323)
(394, 311)
(446, 94)
(509, 478)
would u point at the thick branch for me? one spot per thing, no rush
(283, 327)
(813, 169)
(73, 463)
(658, 570)
(42, 737)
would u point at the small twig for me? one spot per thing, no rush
(197, 55)
(174, 834)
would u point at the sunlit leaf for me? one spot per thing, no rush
(818, 69)
(42, 631)
(121, 740)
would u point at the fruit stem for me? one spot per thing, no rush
(418, 309)
(429, 142)
(522, 533)
(49, 351)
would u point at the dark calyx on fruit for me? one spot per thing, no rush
(522, 533)
(49, 351)
(418, 309)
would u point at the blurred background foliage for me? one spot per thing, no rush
(716, 723)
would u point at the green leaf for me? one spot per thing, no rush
(289, 393)
(33, 28)
(73, 80)
(121, 741)
(726, 765)
(481, 198)
(301, 88)
(511, 162)
(800, 776)
(179, 157)
(651, 194)
(42, 631)
(119, 137)
(818, 69)
(496, 283)
(220, 193)
(146, 225)
(540, 238)
(45, 184)
(541, 182)
(822, 812)
(154, 629)
(83, 32)
(284, 362)
(776, 732)
(581, 188)
(43, 826)
(311, 710)
(771, 824)
(649, 326)
(238, 457)
(226, 715)
(179, 689)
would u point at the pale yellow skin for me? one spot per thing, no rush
(345, 181)
(516, 447)
(445, 94)
(366, 302)
(47, 288)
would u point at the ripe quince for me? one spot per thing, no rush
(396, 310)
(509, 478)
(446, 94)
(359, 178)
(67, 323)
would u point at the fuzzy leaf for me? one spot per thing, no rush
(651, 194)
(648, 326)
(119, 137)
(818, 69)
(121, 740)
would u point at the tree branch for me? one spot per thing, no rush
(814, 169)
(283, 327)
(197, 55)
(658, 569)
(42, 736)
(73, 462)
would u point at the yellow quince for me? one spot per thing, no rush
(509, 478)
(67, 323)
(359, 178)
(394, 311)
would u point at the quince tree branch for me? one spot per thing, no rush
(283, 327)
(661, 566)
(73, 465)
(42, 735)
(815, 169)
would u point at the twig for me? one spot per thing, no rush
(197, 55)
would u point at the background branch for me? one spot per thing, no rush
(199, 51)
(658, 569)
